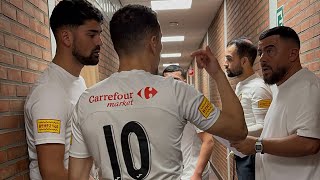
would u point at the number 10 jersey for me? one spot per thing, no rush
(131, 124)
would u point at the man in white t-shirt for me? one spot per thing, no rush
(131, 123)
(196, 145)
(254, 95)
(288, 147)
(76, 26)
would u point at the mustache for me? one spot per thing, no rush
(265, 66)
(96, 49)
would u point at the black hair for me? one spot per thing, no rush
(284, 32)
(175, 68)
(73, 13)
(245, 48)
(130, 26)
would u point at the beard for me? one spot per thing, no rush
(275, 76)
(91, 60)
(236, 72)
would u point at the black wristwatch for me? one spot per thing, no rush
(259, 146)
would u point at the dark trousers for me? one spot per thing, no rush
(245, 167)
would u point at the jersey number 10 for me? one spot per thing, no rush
(139, 131)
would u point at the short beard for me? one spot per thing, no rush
(90, 60)
(237, 72)
(276, 76)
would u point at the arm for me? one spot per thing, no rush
(205, 153)
(50, 159)
(79, 168)
(261, 100)
(290, 146)
(230, 124)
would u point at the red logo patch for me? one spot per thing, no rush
(147, 92)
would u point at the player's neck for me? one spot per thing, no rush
(128, 63)
(68, 63)
(246, 73)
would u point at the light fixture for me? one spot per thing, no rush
(172, 38)
(173, 24)
(171, 4)
(166, 65)
(171, 55)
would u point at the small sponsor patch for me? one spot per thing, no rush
(206, 107)
(71, 139)
(48, 126)
(264, 103)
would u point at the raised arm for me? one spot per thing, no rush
(230, 124)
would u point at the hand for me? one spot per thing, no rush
(196, 176)
(246, 146)
(205, 59)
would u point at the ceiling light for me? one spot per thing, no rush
(171, 55)
(171, 4)
(166, 65)
(173, 24)
(172, 38)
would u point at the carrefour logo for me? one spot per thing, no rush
(147, 92)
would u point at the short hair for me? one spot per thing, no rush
(284, 32)
(175, 68)
(130, 26)
(245, 48)
(73, 13)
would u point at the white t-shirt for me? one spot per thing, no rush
(48, 111)
(191, 146)
(255, 98)
(131, 124)
(294, 110)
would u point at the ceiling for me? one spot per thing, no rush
(192, 23)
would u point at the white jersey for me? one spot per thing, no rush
(294, 110)
(48, 111)
(191, 146)
(131, 124)
(255, 98)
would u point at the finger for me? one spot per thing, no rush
(200, 64)
(209, 53)
(198, 52)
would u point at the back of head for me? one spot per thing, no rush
(130, 26)
(73, 13)
(245, 48)
(174, 68)
(284, 32)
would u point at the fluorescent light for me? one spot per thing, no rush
(172, 38)
(171, 55)
(171, 4)
(166, 65)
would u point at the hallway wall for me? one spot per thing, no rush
(25, 51)
(250, 18)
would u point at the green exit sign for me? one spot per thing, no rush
(280, 21)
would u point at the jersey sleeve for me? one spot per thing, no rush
(78, 147)
(261, 100)
(307, 122)
(49, 114)
(194, 106)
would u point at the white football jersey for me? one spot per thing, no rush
(48, 111)
(131, 124)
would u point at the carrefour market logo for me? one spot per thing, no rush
(147, 92)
